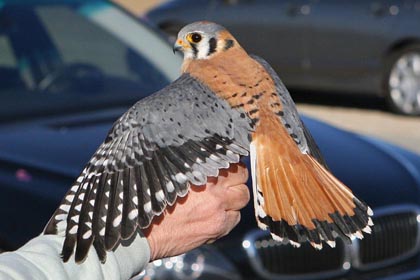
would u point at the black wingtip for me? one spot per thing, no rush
(51, 227)
(100, 249)
(68, 248)
(82, 252)
(112, 238)
(82, 249)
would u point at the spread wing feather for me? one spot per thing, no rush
(151, 155)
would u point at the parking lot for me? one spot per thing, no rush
(366, 115)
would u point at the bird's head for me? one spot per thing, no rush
(203, 39)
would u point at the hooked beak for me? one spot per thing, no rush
(179, 45)
(177, 48)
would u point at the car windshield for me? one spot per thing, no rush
(62, 58)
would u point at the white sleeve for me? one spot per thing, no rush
(40, 259)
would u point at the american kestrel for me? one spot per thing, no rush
(225, 105)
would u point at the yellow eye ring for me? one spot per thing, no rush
(194, 37)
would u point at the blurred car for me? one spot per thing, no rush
(368, 47)
(75, 66)
(68, 70)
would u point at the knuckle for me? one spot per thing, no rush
(219, 224)
(245, 194)
(218, 203)
(215, 199)
(241, 196)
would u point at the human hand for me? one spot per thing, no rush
(207, 213)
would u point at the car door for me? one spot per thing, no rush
(344, 42)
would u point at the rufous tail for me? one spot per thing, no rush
(297, 198)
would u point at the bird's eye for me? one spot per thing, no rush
(194, 37)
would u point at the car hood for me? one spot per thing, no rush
(378, 172)
(60, 145)
(367, 165)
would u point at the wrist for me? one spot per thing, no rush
(152, 246)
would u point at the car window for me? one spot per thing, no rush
(7, 58)
(64, 58)
(9, 74)
(79, 41)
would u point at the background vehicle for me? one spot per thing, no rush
(67, 72)
(368, 47)
(75, 67)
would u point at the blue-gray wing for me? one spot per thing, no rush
(165, 142)
(290, 119)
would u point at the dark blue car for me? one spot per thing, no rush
(69, 69)
(358, 46)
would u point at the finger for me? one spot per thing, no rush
(239, 176)
(236, 174)
(232, 219)
(237, 197)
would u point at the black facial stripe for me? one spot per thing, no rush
(212, 46)
(195, 50)
(228, 44)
